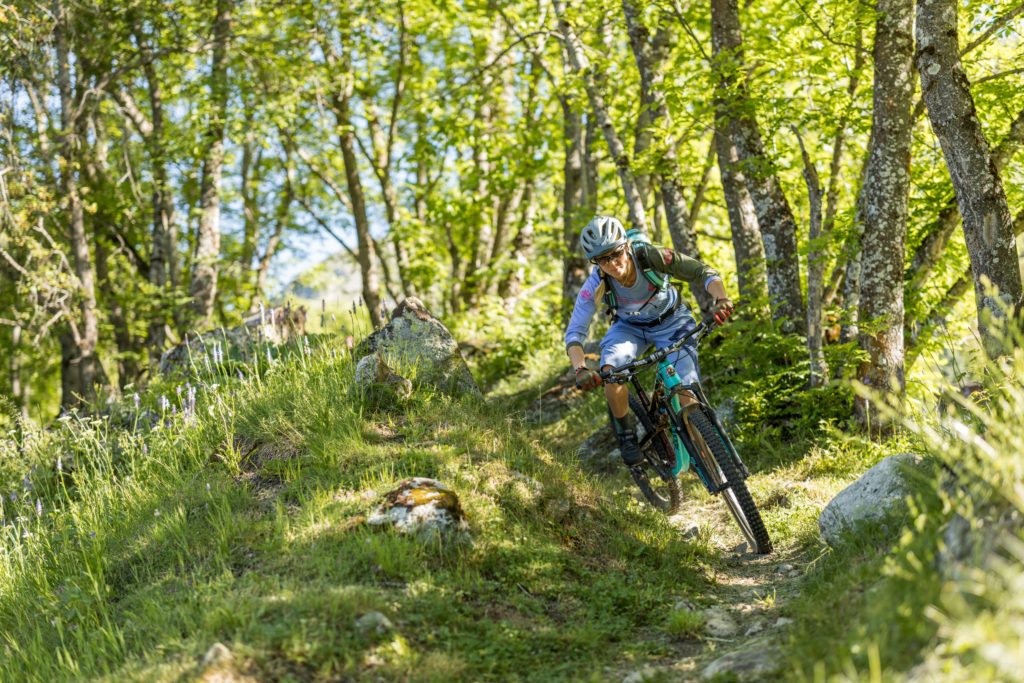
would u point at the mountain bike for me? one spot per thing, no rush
(679, 437)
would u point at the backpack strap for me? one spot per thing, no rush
(643, 257)
(606, 293)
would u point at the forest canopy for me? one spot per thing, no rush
(854, 168)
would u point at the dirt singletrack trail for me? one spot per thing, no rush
(745, 619)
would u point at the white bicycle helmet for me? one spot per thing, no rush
(601, 235)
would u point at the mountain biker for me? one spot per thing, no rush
(627, 276)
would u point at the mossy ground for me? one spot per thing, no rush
(241, 524)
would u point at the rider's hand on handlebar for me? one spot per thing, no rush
(587, 379)
(723, 309)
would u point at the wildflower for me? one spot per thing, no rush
(60, 465)
(145, 449)
(333, 319)
(164, 403)
(28, 483)
(135, 400)
(92, 534)
(39, 508)
(270, 360)
(177, 390)
(207, 486)
(156, 513)
(240, 377)
(14, 496)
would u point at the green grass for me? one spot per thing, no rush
(241, 524)
(241, 528)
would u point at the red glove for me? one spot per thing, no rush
(723, 309)
(587, 379)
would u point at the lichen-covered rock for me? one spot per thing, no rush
(869, 498)
(423, 507)
(415, 338)
(241, 343)
(379, 381)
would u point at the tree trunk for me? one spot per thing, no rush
(852, 255)
(747, 244)
(82, 368)
(885, 200)
(20, 389)
(512, 284)
(367, 264)
(927, 255)
(252, 156)
(579, 64)
(702, 186)
(280, 220)
(163, 260)
(774, 217)
(203, 288)
(815, 271)
(574, 265)
(979, 189)
(830, 290)
(677, 214)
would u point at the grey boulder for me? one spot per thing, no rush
(415, 339)
(378, 380)
(871, 497)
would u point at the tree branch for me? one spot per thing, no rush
(996, 25)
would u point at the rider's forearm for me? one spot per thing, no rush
(716, 288)
(575, 356)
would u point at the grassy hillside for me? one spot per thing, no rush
(230, 510)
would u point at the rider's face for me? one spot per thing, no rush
(618, 265)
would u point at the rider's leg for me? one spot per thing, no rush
(617, 395)
(623, 421)
(619, 347)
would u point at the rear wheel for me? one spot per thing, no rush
(722, 470)
(654, 475)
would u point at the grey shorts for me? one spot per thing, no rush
(624, 342)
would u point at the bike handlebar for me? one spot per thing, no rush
(623, 373)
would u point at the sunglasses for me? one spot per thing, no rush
(611, 256)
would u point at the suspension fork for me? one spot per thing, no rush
(705, 407)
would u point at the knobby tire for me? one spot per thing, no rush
(665, 495)
(736, 496)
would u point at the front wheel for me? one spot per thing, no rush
(723, 471)
(654, 475)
